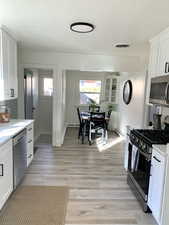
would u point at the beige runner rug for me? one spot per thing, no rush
(36, 205)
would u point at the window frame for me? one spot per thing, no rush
(41, 85)
(44, 93)
(87, 92)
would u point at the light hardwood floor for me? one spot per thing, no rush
(99, 193)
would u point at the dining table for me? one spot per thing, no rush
(85, 116)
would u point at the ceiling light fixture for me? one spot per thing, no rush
(82, 27)
(122, 45)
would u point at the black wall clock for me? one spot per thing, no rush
(127, 92)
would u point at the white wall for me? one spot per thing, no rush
(60, 62)
(72, 92)
(133, 113)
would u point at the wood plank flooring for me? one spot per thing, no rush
(99, 193)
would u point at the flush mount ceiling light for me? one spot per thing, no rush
(122, 45)
(82, 27)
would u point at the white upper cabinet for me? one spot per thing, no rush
(8, 77)
(111, 89)
(164, 55)
(159, 55)
(154, 58)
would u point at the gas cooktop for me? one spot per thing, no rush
(152, 136)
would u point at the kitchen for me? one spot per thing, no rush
(141, 116)
(146, 154)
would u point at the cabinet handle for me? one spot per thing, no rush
(30, 129)
(12, 92)
(2, 170)
(156, 159)
(30, 156)
(29, 141)
(165, 67)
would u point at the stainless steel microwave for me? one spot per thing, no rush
(159, 90)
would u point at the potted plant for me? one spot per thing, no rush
(93, 106)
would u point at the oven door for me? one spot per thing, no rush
(159, 91)
(139, 165)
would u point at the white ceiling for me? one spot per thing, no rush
(44, 24)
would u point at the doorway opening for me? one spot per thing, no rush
(38, 96)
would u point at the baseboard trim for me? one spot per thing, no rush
(72, 125)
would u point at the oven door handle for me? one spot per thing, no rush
(154, 157)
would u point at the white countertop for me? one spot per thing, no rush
(9, 130)
(162, 149)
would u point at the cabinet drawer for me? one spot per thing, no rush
(30, 132)
(158, 157)
(30, 152)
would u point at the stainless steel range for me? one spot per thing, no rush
(139, 161)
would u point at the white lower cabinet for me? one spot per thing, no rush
(6, 172)
(156, 187)
(30, 145)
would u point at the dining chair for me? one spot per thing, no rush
(83, 126)
(80, 123)
(97, 126)
(108, 118)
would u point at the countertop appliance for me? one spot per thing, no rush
(157, 121)
(139, 160)
(19, 157)
(159, 90)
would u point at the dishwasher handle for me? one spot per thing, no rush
(19, 137)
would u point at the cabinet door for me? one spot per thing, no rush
(164, 56)
(5, 64)
(6, 172)
(9, 66)
(156, 185)
(111, 90)
(114, 90)
(107, 89)
(12, 68)
(154, 59)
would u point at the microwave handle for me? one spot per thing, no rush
(166, 67)
(166, 93)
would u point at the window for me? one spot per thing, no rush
(90, 91)
(47, 86)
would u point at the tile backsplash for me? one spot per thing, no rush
(12, 105)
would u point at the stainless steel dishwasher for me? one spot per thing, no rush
(19, 157)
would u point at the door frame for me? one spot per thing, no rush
(21, 82)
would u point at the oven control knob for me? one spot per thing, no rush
(149, 150)
(144, 146)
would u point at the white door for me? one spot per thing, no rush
(45, 103)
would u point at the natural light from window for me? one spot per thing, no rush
(48, 86)
(90, 91)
